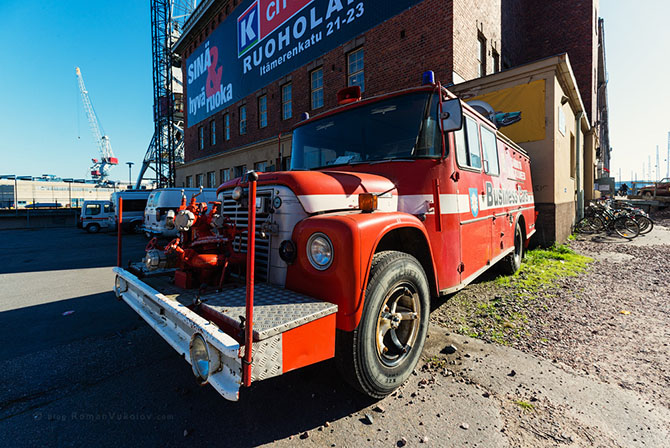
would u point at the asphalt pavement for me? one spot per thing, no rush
(80, 368)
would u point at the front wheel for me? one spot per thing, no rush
(590, 224)
(626, 227)
(381, 353)
(93, 228)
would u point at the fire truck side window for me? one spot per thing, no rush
(467, 145)
(92, 209)
(490, 151)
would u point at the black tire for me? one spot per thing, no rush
(136, 227)
(626, 227)
(646, 224)
(512, 262)
(381, 353)
(93, 228)
(590, 224)
(648, 195)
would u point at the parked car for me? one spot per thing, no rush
(164, 200)
(661, 188)
(95, 216)
(134, 203)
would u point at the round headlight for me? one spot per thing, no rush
(200, 358)
(237, 193)
(320, 251)
(120, 285)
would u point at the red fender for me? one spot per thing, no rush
(354, 236)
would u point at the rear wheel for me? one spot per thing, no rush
(626, 227)
(381, 353)
(589, 224)
(648, 195)
(512, 262)
(645, 224)
(93, 228)
(136, 227)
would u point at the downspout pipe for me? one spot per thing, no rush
(579, 176)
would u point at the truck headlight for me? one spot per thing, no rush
(120, 286)
(200, 360)
(320, 251)
(237, 194)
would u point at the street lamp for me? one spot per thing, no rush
(130, 170)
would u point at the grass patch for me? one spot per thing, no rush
(527, 407)
(496, 310)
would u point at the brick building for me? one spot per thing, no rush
(460, 40)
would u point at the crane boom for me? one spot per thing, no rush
(100, 168)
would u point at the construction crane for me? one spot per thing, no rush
(166, 150)
(100, 168)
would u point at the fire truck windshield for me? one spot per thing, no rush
(400, 127)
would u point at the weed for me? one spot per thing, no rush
(527, 407)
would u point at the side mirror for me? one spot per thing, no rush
(451, 118)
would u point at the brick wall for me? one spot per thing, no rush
(535, 29)
(474, 18)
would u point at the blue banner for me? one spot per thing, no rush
(264, 40)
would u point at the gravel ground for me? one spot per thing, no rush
(611, 323)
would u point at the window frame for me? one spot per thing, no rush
(316, 90)
(285, 101)
(211, 179)
(188, 181)
(201, 138)
(357, 72)
(262, 111)
(199, 180)
(226, 126)
(212, 132)
(464, 130)
(484, 154)
(481, 54)
(242, 121)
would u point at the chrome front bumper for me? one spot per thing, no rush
(177, 324)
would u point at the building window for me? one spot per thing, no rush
(201, 138)
(211, 179)
(199, 180)
(240, 170)
(481, 55)
(212, 132)
(188, 183)
(224, 174)
(243, 120)
(262, 111)
(286, 163)
(317, 88)
(496, 62)
(226, 127)
(286, 101)
(355, 69)
(260, 166)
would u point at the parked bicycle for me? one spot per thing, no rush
(602, 216)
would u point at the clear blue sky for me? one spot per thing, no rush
(42, 43)
(43, 128)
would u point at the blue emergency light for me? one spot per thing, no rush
(428, 77)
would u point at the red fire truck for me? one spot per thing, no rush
(390, 202)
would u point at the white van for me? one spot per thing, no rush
(95, 215)
(165, 199)
(134, 203)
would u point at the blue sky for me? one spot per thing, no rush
(44, 128)
(43, 42)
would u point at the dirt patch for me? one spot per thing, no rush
(611, 322)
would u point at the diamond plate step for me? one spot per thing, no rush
(276, 309)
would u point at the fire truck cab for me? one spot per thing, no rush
(390, 202)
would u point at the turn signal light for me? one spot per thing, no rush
(367, 202)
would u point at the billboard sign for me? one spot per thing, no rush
(264, 40)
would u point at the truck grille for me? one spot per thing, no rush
(239, 216)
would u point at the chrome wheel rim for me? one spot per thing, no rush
(398, 323)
